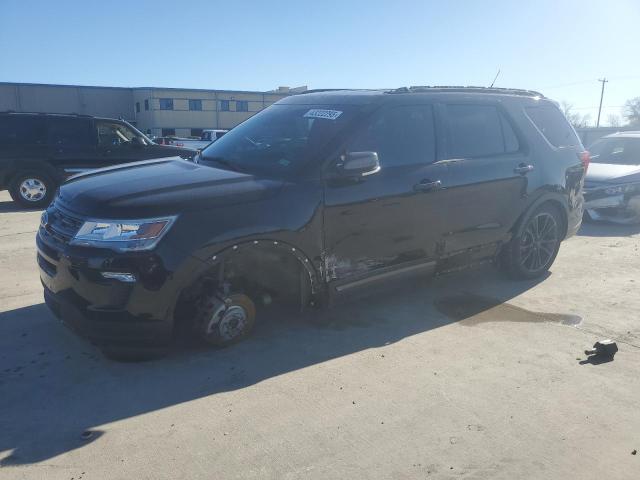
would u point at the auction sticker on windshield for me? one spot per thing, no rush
(320, 113)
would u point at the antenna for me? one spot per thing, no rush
(494, 80)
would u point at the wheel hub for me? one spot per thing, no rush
(230, 321)
(32, 189)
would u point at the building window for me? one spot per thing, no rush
(166, 104)
(195, 105)
(242, 106)
(146, 104)
(196, 132)
(168, 132)
(224, 105)
(137, 107)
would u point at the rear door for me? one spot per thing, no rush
(72, 144)
(489, 170)
(22, 141)
(391, 220)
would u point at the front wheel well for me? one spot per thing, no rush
(265, 271)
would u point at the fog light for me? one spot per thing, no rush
(120, 276)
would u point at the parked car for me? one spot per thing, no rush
(612, 185)
(212, 135)
(207, 137)
(38, 151)
(315, 198)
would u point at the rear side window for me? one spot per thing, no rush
(479, 131)
(400, 135)
(21, 130)
(553, 125)
(71, 132)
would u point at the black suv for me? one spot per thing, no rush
(315, 198)
(38, 151)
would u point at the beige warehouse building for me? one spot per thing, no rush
(156, 111)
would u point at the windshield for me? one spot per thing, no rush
(279, 140)
(616, 151)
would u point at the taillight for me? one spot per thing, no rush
(585, 158)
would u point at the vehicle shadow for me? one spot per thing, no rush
(606, 229)
(11, 207)
(54, 386)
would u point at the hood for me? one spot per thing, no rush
(160, 187)
(611, 173)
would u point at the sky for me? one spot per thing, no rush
(558, 47)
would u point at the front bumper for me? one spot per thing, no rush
(620, 208)
(107, 311)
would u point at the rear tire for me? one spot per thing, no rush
(32, 189)
(533, 251)
(222, 323)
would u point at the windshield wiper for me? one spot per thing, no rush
(221, 161)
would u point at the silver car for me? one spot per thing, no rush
(612, 184)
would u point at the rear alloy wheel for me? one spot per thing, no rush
(32, 190)
(532, 253)
(223, 323)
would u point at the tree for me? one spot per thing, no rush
(614, 120)
(632, 111)
(576, 119)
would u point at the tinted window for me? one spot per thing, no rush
(168, 132)
(400, 135)
(146, 104)
(70, 132)
(196, 132)
(137, 107)
(553, 125)
(280, 139)
(166, 104)
(242, 106)
(479, 130)
(224, 105)
(195, 104)
(21, 130)
(616, 150)
(114, 134)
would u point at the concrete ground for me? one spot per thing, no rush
(464, 376)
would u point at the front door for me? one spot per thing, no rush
(118, 143)
(390, 220)
(490, 171)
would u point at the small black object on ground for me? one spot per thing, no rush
(603, 351)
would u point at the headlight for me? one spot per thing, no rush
(123, 235)
(619, 189)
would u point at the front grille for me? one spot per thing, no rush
(61, 224)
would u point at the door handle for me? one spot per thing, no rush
(427, 185)
(523, 169)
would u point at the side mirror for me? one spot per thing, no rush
(358, 164)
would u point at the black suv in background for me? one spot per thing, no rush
(38, 151)
(317, 197)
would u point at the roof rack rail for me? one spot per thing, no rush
(463, 89)
(320, 90)
(71, 114)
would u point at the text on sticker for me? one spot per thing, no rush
(320, 113)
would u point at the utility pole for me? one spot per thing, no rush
(603, 81)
